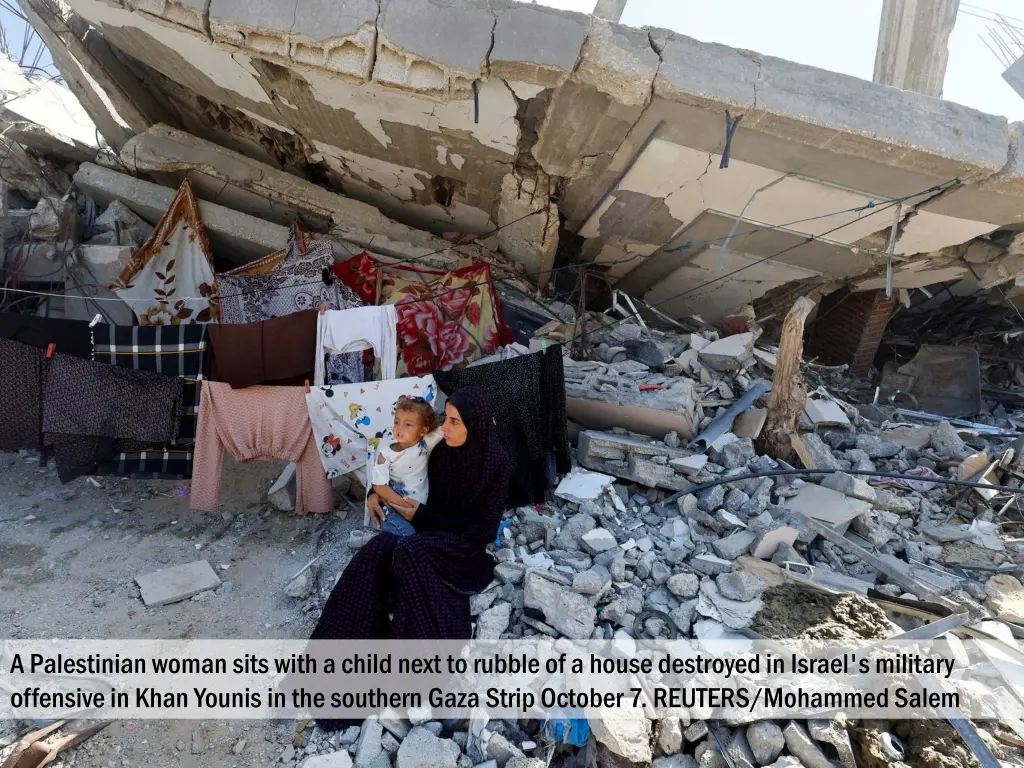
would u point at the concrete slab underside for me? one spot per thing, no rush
(377, 102)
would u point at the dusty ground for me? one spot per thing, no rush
(67, 570)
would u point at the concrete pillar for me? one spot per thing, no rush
(610, 9)
(913, 44)
(849, 328)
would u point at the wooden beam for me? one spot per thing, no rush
(789, 393)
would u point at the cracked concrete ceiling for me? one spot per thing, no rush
(466, 115)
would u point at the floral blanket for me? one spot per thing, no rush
(445, 319)
(170, 278)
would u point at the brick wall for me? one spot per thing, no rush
(849, 328)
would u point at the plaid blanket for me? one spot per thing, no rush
(173, 350)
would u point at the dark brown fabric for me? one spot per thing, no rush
(92, 411)
(21, 387)
(277, 352)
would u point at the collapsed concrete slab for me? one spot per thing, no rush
(243, 184)
(236, 236)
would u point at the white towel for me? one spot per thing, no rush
(353, 330)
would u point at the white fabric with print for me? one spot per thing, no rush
(404, 471)
(349, 421)
(352, 330)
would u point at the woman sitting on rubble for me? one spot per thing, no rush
(418, 586)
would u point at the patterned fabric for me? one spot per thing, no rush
(425, 580)
(346, 368)
(445, 319)
(170, 350)
(351, 330)
(257, 424)
(349, 421)
(528, 397)
(21, 385)
(90, 409)
(167, 464)
(296, 285)
(170, 278)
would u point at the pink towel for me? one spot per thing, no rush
(257, 424)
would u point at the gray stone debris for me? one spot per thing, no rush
(734, 614)
(670, 735)
(740, 585)
(876, 448)
(766, 741)
(422, 749)
(493, 622)
(569, 613)
(857, 487)
(834, 732)
(735, 545)
(369, 746)
(593, 581)
(802, 747)
(301, 586)
(947, 442)
(683, 585)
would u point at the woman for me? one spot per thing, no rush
(424, 581)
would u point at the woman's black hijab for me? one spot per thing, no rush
(460, 476)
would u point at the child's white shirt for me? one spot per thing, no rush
(404, 471)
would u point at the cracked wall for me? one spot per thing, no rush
(460, 115)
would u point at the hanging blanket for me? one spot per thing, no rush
(173, 351)
(527, 397)
(349, 421)
(170, 279)
(297, 284)
(92, 411)
(21, 385)
(445, 319)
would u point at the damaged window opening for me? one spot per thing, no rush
(445, 190)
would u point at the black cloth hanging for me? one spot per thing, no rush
(425, 580)
(22, 368)
(92, 411)
(71, 337)
(527, 395)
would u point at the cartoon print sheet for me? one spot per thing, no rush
(350, 420)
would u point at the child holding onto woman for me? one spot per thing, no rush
(400, 470)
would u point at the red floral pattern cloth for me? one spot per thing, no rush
(445, 319)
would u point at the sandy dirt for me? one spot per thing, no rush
(67, 570)
(793, 612)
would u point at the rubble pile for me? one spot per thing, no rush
(631, 546)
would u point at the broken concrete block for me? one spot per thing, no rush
(803, 748)
(689, 464)
(947, 442)
(735, 545)
(339, 759)
(814, 453)
(825, 412)
(750, 423)
(582, 485)
(123, 225)
(577, 525)
(734, 614)
(740, 585)
(769, 542)
(876, 448)
(683, 585)
(369, 745)
(592, 581)
(172, 585)
(243, 237)
(850, 485)
(54, 219)
(670, 735)
(493, 622)
(729, 354)
(833, 732)
(766, 741)
(625, 733)
(598, 540)
(827, 506)
(710, 565)
(569, 613)
(1006, 597)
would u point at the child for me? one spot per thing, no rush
(400, 470)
